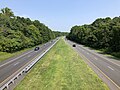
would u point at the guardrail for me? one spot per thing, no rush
(25, 69)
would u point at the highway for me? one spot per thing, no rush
(12, 65)
(107, 69)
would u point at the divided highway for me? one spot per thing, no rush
(107, 69)
(10, 67)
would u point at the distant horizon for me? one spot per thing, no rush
(71, 26)
(62, 15)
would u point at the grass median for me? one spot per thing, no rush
(61, 69)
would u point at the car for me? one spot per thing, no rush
(74, 45)
(36, 48)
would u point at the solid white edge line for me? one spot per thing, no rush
(110, 68)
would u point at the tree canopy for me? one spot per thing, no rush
(58, 33)
(17, 33)
(103, 33)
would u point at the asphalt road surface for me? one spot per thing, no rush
(109, 67)
(10, 66)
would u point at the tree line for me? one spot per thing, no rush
(103, 33)
(17, 33)
(58, 33)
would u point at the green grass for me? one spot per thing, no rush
(61, 69)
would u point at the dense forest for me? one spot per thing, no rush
(17, 33)
(103, 33)
(58, 33)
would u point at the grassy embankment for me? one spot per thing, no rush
(61, 69)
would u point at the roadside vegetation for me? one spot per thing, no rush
(103, 34)
(18, 33)
(61, 69)
(58, 33)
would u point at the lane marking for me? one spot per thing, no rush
(94, 53)
(100, 71)
(96, 58)
(16, 63)
(110, 68)
(15, 59)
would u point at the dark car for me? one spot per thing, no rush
(36, 48)
(74, 45)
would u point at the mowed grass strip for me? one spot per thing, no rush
(61, 69)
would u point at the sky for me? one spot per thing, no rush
(61, 15)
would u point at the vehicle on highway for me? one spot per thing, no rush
(74, 45)
(36, 48)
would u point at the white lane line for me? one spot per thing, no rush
(96, 58)
(110, 68)
(16, 63)
(99, 55)
(15, 59)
